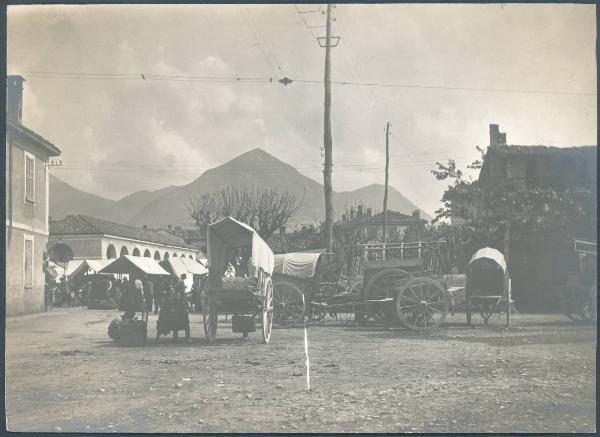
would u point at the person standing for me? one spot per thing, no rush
(148, 292)
(196, 297)
(134, 299)
(180, 286)
(87, 292)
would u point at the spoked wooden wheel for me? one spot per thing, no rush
(289, 305)
(422, 304)
(210, 318)
(384, 284)
(267, 311)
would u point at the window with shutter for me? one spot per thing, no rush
(29, 178)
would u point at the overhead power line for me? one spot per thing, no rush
(253, 79)
(135, 169)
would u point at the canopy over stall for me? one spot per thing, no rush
(491, 254)
(228, 234)
(179, 266)
(127, 264)
(297, 264)
(90, 265)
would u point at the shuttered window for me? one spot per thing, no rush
(29, 178)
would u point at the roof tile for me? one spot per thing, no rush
(87, 225)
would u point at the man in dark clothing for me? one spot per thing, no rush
(180, 287)
(173, 316)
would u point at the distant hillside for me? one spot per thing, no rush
(254, 169)
(372, 197)
(67, 200)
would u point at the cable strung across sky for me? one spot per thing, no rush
(285, 81)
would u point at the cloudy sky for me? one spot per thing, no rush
(120, 133)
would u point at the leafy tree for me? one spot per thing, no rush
(495, 209)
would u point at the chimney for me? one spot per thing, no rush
(170, 228)
(14, 98)
(369, 210)
(416, 213)
(359, 210)
(497, 138)
(145, 227)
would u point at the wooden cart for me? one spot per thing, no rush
(488, 285)
(388, 283)
(250, 292)
(579, 295)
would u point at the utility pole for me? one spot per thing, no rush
(327, 141)
(385, 192)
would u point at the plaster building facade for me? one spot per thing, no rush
(27, 207)
(79, 237)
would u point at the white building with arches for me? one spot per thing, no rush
(79, 237)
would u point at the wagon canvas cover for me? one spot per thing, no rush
(228, 234)
(298, 264)
(491, 254)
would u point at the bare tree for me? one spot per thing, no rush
(204, 209)
(265, 210)
(274, 210)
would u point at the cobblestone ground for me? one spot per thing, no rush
(63, 373)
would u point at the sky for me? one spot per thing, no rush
(459, 67)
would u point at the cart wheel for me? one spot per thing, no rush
(210, 320)
(289, 307)
(267, 310)
(422, 304)
(384, 284)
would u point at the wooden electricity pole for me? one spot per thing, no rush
(327, 141)
(385, 192)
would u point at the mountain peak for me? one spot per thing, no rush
(255, 160)
(256, 154)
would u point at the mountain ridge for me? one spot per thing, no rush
(255, 169)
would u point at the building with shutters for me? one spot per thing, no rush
(27, 156)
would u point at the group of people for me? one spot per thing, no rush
(140, 293)
(61, 293)
(169, 302)
(116, 293)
